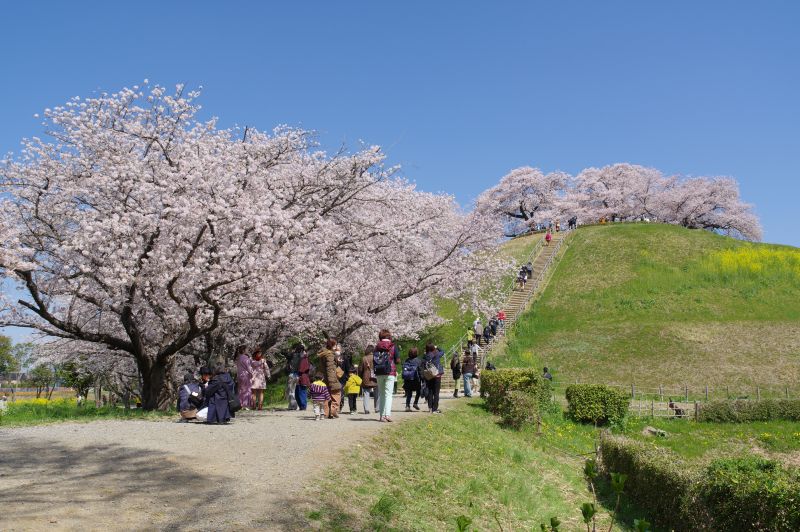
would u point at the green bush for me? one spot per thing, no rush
(745, 411)
(519, 409)
(658, 480)
(498, 383)
(751, 494)
(595, 403)
(730, 494)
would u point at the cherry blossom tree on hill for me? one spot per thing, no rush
(524, 197)
(142, 230)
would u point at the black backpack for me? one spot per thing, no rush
(382, 362)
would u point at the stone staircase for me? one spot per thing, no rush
(542, 257)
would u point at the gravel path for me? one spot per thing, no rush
(135, 475)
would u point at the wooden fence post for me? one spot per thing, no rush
(686, 391)
(660, 392)
(706, 392)
(633, 391)
(758, 393)
(653, 408)
(727, 393)
(787, 392)
(696, 410)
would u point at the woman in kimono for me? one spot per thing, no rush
(259, 373)
(243, 371)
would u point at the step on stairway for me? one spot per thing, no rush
(515, 304)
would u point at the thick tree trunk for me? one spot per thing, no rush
(157, 392)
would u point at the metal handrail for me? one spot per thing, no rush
(458, 345)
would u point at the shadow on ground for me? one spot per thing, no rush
(103, 486)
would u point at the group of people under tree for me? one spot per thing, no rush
(215, 398)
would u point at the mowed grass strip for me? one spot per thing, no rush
(657, 304)
(424, 473)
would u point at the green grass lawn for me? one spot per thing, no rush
(704, 442)
(425, 473)
(658, 304)
(40, 411)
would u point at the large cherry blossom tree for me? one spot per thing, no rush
(141, 230)
(524, 197)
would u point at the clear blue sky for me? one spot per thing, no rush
(457, 92)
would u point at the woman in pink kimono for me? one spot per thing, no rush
(243, 378)
(259, 373)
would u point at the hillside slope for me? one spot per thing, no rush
(657, 304)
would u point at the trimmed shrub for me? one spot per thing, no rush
(745, 411)
(595, 403)
(730, 494)
(751, 494)
(659, 481)
(519, 409)
(498, 383)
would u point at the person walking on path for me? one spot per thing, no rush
(327, 366)
(434, 384)
(259, 374)
(243, 378)
(455, 366)
(368, 380)
(351, 389)
(344, 369)
(468, 371)
(547, 238)
(470, 334)
(412, 381)
(320, 396)
(501, 318)
(478, 330)
(219, 390)
(303, 378)
(385, 360)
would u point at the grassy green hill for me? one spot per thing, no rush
(656, 304)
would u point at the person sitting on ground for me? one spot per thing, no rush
(489, 367)
(677, 411)
(205, 378)
(220, 389)
(190, 398)
(320, 396)
(412, 381)
(546, 374)
(351, 388)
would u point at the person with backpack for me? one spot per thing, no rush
(411, 378)
(327, 366)
(368, 380)
(218, 394)
(385, 360)
(432, 371)
(455, 366)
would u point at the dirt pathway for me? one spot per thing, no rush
(136, 475)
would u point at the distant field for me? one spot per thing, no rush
(657, 304)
